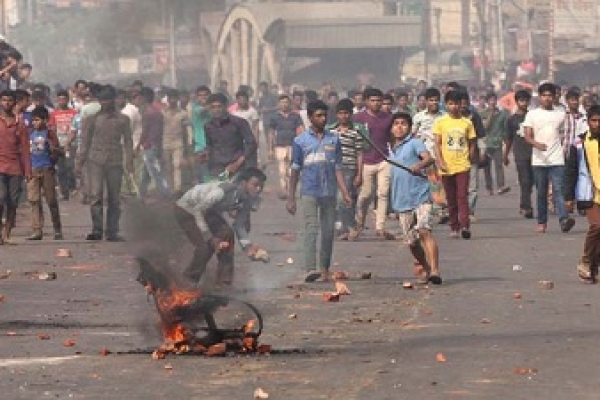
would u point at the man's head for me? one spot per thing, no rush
(387, 103)
(317, 114)
(522, 98)
(120, 99)
(465, 102)
(421, 101)
(137, 86)
(144, 97)
(39, 118)
(433, 96)
(285, 104)
(25, 71)
(452, 100)
(572, 96)
(184, 98)
(243, 99)
(173, 98)
(106, 97)
(223, 86)
(7, 101)
(546, 94)
(402, 98)
(297, 99)
(38, 97)
(252, 181)
(263, 88)
(374, 99)
(593, 119)
(401, 126)
(217, 103)
(23, 99)
(62, 100)
(491, 100)
(344, 110)
(80, 88)
(202, 93)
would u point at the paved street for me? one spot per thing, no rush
(490, 332)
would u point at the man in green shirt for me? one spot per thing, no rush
(199, 116)
(494, 121)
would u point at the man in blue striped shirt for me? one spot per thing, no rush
(317, 156)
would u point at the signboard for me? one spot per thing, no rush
(572, 18)
(161, 57)
(128, 65)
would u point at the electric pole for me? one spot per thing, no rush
(481, 6)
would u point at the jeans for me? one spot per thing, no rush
(457, 194)
(66, 175)
(319, 214)
(10, 191)
(591, 248)
(346, 215)
(473, 188)
(526, 180)
(495, 157)
(112, 176)
(543, 175)
(152, 170)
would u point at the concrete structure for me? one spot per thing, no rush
(268, 41)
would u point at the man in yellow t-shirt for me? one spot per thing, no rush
(454, 150)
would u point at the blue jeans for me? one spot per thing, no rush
(346, 215)
(319, 215)
(153, 170)
(543, 175)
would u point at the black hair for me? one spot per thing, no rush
(522, 95)
(218, 98)
(388, 97)
(121, 92)
(137, 82)
(298, 93)
(453, 95)
(372, 92)
(345, 105)
(463, 95)
(108, 92)
(311, 95)
(38, 95)
(283, 97)
(401, 93)
(404, 116)
(242, 93)
(62, 93)
(184, 92)
(203, 88)
(249, 173)
(147, 93)
(432, 92)
(573, 94)
(453, 85)
(79, 82)
(315, 106)
(40, 112)
(26, 66)
(594, 110)
(173, 93)
(22, 94)
(547, 87)
(94, 89)
(490, 95)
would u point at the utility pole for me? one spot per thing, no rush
(501, 32)
(551, 32)
(426, 36)
(172, 65)
(481, 6)
(4, 17)
(438, 15)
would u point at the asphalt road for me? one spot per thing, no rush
(491, 331)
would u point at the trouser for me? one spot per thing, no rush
(544, 175)
(203, 249)
(346, 214)
(283, 155)
(173, 158)
(457, 193)
(10, 190)
(43, 183)
(473, 188)
(374, 175)
(202, 172)
(437, 189)
(66, 175)
(319, 215)
(526, 179)
(152, 170)
(591, 247)
(495, 157)
(130, 179)
(112, 176)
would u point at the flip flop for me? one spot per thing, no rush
(435, 279)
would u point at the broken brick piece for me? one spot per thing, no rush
(43, 336)
(104, 352)
(69, 343)
(217, 350)
(331, 297)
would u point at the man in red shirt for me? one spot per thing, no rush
(14, 161)
(61, 120)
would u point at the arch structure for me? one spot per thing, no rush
(255, 40)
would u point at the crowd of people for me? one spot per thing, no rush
(413, 153)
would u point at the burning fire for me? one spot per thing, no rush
(173, 329)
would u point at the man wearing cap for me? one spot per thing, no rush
(105, 137)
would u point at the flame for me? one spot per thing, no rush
(168, 301)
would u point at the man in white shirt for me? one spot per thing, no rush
(135, 119)
(543, 130)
